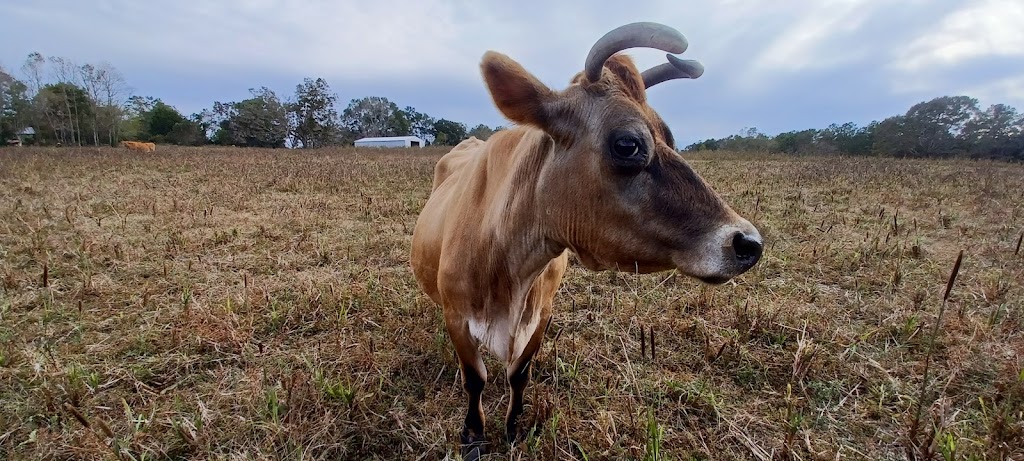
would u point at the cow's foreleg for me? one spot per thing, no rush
(535, 319)
(518, 374)
(474, 376)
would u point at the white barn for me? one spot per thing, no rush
(390, 141)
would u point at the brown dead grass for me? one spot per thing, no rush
(256, 304)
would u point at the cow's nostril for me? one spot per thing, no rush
(748, 250)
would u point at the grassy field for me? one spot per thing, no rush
(257, 304)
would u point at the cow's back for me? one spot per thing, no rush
(455, 159)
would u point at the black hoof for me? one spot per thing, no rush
(519, 434)
(473, 447)
(513, 436)
(472, 453)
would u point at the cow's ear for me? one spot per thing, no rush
(517, 93)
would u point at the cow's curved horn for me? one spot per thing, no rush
(638, 34)
(673, 69)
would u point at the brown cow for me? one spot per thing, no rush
(139, 146)
(132, 145)
(591, 169)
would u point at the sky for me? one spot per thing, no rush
(777, 65)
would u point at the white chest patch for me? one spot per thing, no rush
(494, 335)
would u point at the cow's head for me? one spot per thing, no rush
(614, 189)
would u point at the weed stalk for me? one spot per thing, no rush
(915, 426)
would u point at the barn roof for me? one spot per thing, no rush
(390, 138)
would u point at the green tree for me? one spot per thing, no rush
(797, 142)
(375, 116)
(260, 121)
(863, 140)
(151, 119)
(993, 133)
(748, 139)
(314, 120)
(448, 133)
(707, 144)
(936, 126)
(940, 127)
(15, 106)
(134, 126)
(78, 108)
(482, 132)
(847, 138)
(62, 116)
(420, 125)
(68, 110)
(160, 120)
(187, 133)
(894, 137)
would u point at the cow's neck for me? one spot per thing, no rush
(513, 225)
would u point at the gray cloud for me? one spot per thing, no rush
(774, 65)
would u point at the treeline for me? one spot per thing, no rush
(71, 104)
(947, 126)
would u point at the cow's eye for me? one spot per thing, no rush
(627, 146)
(627, 151)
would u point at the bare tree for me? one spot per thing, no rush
(109, 98)
(66, 71)
(33, 70)
(90, 77)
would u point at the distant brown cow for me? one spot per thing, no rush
(139, 146)
(131, 145)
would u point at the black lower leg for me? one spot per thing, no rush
(473, 428)
(517, 381)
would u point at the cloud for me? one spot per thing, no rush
(818, 37)
(973, 49)
(347, 40)
(775, 65)
(999, 91)
(980, 29)
(393, 40)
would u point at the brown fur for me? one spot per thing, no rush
(139, 146)
(492, 242)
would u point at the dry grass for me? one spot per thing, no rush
(256, 304)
